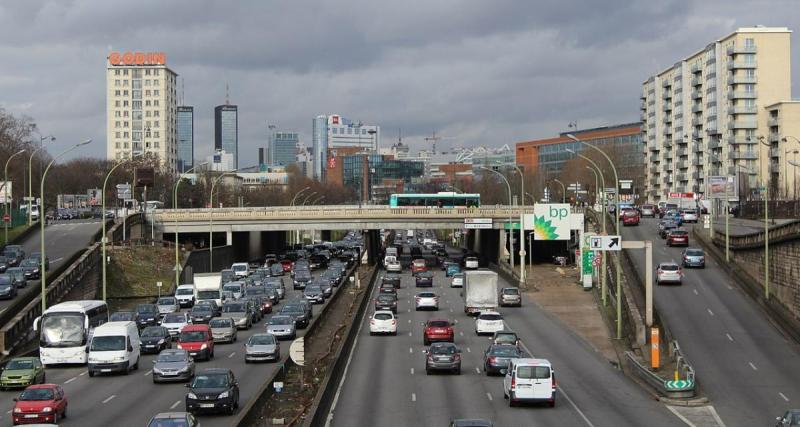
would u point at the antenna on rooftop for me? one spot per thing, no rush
(227, 94)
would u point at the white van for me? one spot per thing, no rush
(185, 294)
(241, 269)
(114, 348)
(529, 380)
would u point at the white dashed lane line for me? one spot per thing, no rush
(70, 380)
(729, 337)
(148, 372)
(752, 366)
(413, 397)
(783, 396)
(174, 405)
(478, 370)
(710, 312)
(108, 399)
(489, 395)
(231, 355)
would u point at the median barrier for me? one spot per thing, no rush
(672, 389)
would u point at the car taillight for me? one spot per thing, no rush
(659, 271)
(492, 359)
(394, 322)
(554, 382)
(513, 383)
(456, 356)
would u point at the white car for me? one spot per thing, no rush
(669, 272)
(174, 322)
(458, 281)
(689, 215)
(489, 322)
(383, 322)
(471, 263)
(426, 300)
(240, 269)
(391, 264)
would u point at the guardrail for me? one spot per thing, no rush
(674, 389)
(777, 233)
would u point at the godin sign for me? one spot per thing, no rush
(137, 58)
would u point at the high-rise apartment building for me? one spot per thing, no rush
(283, 148)
(185, 131)
(141, 107)
(706, 115)
(226, 131)
(319, 147)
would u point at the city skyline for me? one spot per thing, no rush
(479, 80)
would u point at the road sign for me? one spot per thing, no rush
(679, 385)
(476, 223)
(123, 191)
(596, 260)
(6, 218)
(706, 221)
(606, 243)
(512, 226)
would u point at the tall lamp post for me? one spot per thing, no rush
(103, 212)
(5, 196)
(765, 185)
(521, 224)
(175, 206)
(794, 183)
(616, 215)
(563, 190)
(297, 232)
(42, 271)
(211, 219)
(510, 220)
(42, 139)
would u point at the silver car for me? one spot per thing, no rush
(694, 257)
(167, 305)
(458, 281)
(669, 272)
(223, 329)
(240, 312)
(426, 300)
(510, 297)
(262, 347)
(282, 327)
(174, 322)
(173, 365)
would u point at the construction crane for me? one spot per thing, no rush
(433, 139)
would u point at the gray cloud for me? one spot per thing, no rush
(484, 73)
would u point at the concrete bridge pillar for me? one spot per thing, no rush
(229, 238)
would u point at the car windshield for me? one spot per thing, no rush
(184, 291)
(443, 349)
(426, 294)
(425, 274)
(670, 267)
(167, 301)
(504, 352)
(193, 336)
(292, 309)
(37, 394)
(386, 298)
(201, 309)
(438, 323)
(533, 372)
(122, 316)
(5, 280)
(511, 291)
(281, 320)
(220, 323)
(256, 290)
(694, 252)
(506, 338)
(172, 357)
(490, 317)
(234, 308)
(153, 331)
(20, 364)
(262, 339)
(110, 343)
(174, 318)
(210, 381)
(232, 288)
(146, 309)
(383, 316)
(680, 233)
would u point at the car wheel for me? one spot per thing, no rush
(44, 378)
(426, 341)
(457, 371)
(552, 403)
(64, 414)
(91, 373)
(511, 402)
(427, 371)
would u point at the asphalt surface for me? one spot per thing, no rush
(131, 400)
(386, 383)
(745, 366)
(62, 239)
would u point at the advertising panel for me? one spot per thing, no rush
(720, 187)
(5, 190)
(550, 221)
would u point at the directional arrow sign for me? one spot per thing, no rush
(679, 385)
(612, 243)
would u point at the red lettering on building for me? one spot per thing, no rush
(137, 58)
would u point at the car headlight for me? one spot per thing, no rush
(179, 346)
(204, 346)
(191, 395)
(223, 395)
(161, 341)
(184, 369)
(157, 371)
(17, 410)
(47, 409)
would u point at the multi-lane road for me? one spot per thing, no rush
(131, 400)
(62, 239)
(746, 367)
(386, 383)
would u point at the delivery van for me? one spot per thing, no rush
(114, 348)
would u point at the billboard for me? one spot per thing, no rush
(5, 190)
(549, 221)
(145, 177)
(720, 187)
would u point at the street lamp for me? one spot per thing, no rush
(5, 197)
(297, 194)
(521, 222)
(308, 197)
(211, 219)
(103, 213)
(510, 223)
(175, 206)
(616, 215)
(42, 139)
(563, 191)
(794, 183)
(317, 200)
(42, 271)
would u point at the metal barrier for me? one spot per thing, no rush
(682, 365)
(680, 389)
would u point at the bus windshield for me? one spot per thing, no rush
(63, 330)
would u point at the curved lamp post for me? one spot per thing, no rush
(563, 191)
(175, 206)
(521, 223)
(297, 194)
(42, 139)
(510, 220)
(5, 196)
(211, 219)
(794, 178)
(42, 271)
(616, 216)
(103, 212)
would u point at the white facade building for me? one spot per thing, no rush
(221, 161)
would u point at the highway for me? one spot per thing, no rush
(386, 382)
(744, 365)
(62, 239)
(131, 400)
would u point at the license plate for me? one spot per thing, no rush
(31, 416)
(192, 354)
(169, 374)
(150, 346)
(206, 405)
(105, 370)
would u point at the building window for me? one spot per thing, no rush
(156, 144)
(118, 134)
(124, 104)
(125, 124)
(116, 72)
(147, 113)
(126, 145)
(117, 114)
(117, 144)
(125, 113)
(116, 93)
(116, 104)
(147, 92)
(155, 113)
(156, 134)
(748, 58)
(125, 72)
(116, 82)
(155, 72)
(146, 72)
(125, 83)
(147, 82)
(117, 124)
(749, 42)
(155, 82)
(155, 103)
(156, 124)
(124, 93)
(156, 92)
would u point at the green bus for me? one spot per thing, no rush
(435, 200)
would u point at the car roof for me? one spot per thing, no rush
(504, 331)
(383, 311)
(489, 312)
(42, 386)
(195, 327)
(170, 415)
(214, 371)
(24, 359)
(531, 362)
(668, 263)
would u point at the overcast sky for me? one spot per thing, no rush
(478, 72)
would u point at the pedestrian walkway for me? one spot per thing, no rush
(559, 294)
(742, 226)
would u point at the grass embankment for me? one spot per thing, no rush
(133, 272)
(12, 233)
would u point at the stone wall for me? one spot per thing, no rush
(784, 270)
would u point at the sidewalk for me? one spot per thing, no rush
(559, 294)
(741, 226)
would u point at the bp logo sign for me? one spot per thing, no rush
(551, 221)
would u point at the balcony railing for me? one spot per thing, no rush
(774, 137)
(735, 65)
(738, 140)
(744, 124)
(741, 94)
(713, 144)
(696, 94)
(741, 109)
(772, 121)
(733, 50)
(736, 80)
(743, 155)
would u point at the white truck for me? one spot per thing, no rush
(480, 291)
(208, 286)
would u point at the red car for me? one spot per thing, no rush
(197, 340)
(438, 330)
(678, 238)
(418, 265)
(287, 265)
(630, 217)
(40, 403)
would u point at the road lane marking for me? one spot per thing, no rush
(231, 355)
(9, 411)
(409, 310)
(409, 334)
(468, 350)
(410, 350)
(489, 395)
(413, 397)
(174, 405)
(409, 320)
(108, 399)
(695, 291)
(783, 396)
(729, 337)
(148, 372)
(70, 380)
(451, 310)
(3, 310)
(752, 366)
(710, 312)
(461, 333)
(477, 369)
(412, 371)
(56, 260)
(82, 374)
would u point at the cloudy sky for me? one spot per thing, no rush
(483, 72)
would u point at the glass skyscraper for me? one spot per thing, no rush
(283, 148)
(320, 146)
(226, 131)
(185, 131)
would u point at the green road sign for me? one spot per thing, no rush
(679, 385)
(507, 226)
(588, 256)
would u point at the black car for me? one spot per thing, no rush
(8, 287)
(391, 279)
(18, 274)
(665, 226)
(424, 279)
(124, 316)
(316, 262)
(276, 270)
(302, 278)
(13, 256)
(38, 257)
(148, 315)
(213, 390)
(386, 302)
(297, 312)
(30, 267)
(227, 276)
(497, 357)
(154, 339)
(212, 305)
